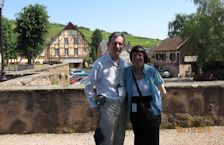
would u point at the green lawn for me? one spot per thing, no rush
(54, 29)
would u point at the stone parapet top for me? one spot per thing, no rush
(45, 75)
(50, 87)
(203, 84)
(36, 70)
(26, 79)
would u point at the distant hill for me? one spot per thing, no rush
(55, 28)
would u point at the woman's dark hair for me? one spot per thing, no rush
(139, 48)
(115, 35)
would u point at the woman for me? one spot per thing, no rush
(150, 85)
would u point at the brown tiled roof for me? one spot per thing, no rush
(170, 44)
(70, 26)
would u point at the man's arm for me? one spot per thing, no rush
(89, 89)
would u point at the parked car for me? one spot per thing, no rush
(82, 81)
(165, 74)
(75, 71)
(74, 76)
(163, 71)
(74, 80)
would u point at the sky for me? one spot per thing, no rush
(145, 18)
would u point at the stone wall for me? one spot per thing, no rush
(195, 98)
(43, 109)
(48, 75)
(30, 109)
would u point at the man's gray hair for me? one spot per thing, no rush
(115, 35)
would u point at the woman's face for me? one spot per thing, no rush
(138, 59)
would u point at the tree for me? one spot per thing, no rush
(177, 26)
(31, 26)
(203, 30)
(87, 60)
(96, 39)
(9, 39)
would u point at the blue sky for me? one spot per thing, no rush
(146, 18)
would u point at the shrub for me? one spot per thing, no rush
(198, 121)
(183, 119)
(219, 121)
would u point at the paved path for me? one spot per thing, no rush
(181, 136)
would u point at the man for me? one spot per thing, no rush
(108, 103)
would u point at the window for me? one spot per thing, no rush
(172, 56)
(157, 56)
(76, 40)
(76, 51)
(163, 56)
(66, 52)
(56, 51)
(66, 40)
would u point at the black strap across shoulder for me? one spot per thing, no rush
(139, 92)
(143, 98)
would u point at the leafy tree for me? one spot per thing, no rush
(31, 26)
(9, 39)
(202, 30)
(87, 60)
(96, 39)
(177, 26)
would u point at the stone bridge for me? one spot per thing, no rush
(46, 102)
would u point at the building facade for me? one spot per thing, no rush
(173, 55)
(69, 46)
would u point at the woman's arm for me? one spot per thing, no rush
(162, 91)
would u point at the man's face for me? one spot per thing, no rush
(116, 46)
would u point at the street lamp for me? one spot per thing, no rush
(3, 77)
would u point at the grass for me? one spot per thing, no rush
(54, 29)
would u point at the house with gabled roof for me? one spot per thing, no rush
(174, 55)
(68, 46)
